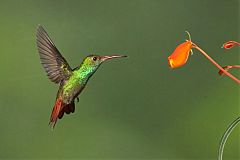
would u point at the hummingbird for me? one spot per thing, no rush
(71, 81)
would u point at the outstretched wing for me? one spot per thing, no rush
(53, 62)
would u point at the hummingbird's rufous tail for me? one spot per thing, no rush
(55, 112)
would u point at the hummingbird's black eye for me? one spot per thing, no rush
(94, 58)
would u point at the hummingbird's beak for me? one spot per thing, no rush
(104, 58)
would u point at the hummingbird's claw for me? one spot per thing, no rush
(77, 99)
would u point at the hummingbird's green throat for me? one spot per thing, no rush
(71, 81)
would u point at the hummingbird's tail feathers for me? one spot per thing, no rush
(70, 108)
(59, 109)
(55, 112)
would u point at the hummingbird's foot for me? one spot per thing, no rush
(77, 99)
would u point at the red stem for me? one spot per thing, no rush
(237, 43)
(227, 68)
(233, 66)
(216, 64)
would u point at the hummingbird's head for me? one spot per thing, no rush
(94, 61)
(91, 63)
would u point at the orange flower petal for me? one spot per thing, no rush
(180, 55)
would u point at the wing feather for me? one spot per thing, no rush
(53, 62)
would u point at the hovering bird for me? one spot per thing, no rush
(71, 81)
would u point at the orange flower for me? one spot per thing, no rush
(180, 55)
(230, 44)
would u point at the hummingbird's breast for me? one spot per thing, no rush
(72, 88)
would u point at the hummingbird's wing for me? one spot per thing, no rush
(53, 62)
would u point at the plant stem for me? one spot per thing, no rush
(216, 64)
(232, 66)
(226, 68)
(225, 137)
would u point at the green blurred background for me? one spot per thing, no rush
(134, 108)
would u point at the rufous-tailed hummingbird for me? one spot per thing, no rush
(71, 81)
